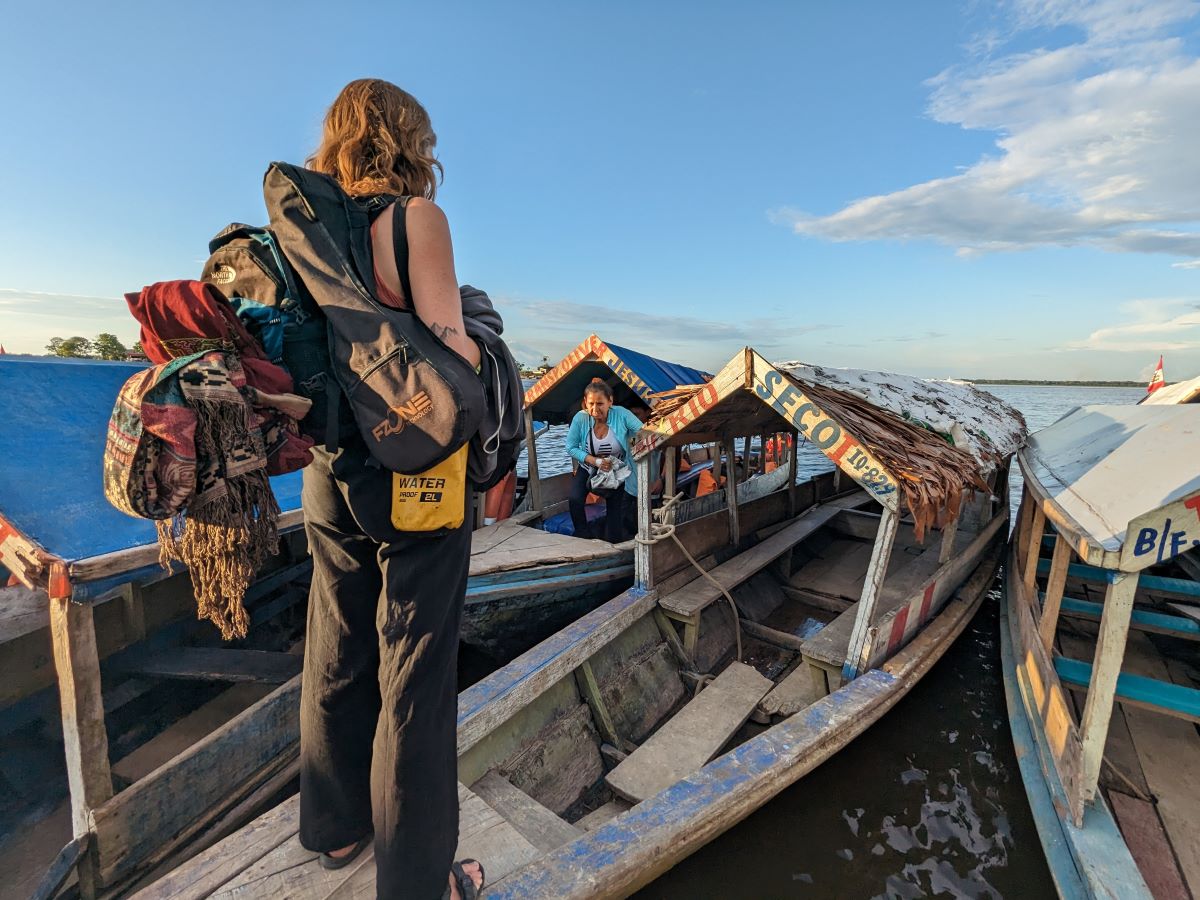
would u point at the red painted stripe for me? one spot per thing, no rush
(896, 638)
(843, 448)
(59, 587)
(926, 601)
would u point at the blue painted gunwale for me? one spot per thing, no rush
(701, 800)
(1088, 861)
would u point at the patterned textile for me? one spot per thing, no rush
(183, 318)
(182, 450)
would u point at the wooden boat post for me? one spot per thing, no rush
(735, 536)
(1055, 586)
(535, 482)
(85, 740)
(881, 554)
(1110, 652)
(643, 568)
(793, 471)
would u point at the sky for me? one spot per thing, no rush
(973, 189)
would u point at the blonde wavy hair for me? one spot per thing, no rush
(378, 140)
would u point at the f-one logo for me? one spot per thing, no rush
(400, 417)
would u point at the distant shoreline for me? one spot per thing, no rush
(1106, 384)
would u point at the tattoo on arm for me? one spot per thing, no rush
(443, 331)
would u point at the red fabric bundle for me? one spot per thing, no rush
(179, 318)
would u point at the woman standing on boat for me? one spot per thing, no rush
(600, 436)
(378, 710)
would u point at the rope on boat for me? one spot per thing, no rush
(660, 531)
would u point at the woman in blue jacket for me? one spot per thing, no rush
(601, 433)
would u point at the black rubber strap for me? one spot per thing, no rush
(400, 247)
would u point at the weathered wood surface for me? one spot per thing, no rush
(265, 859)
(772, 636)
(602, 814)
(838, 572)
(217, 664)
(1149, 846)
(1088, 861)
(60, 869)
(1169, 751)
(1124, 769)
(99, 567)
(636, 847)
(692, 736)
(84, 738)
(226, 860)
(22, 611)
(538, 825)
(708, 534)
(905, 573)
(695, 596)
(1042, 695)
(855, 658)
(505, 546)
(792, 694)
(1110, 651)
(1055, 585)
(816, 599)
(492, 701)
(133, 824)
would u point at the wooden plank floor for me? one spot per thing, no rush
(1169, 751)
(265, 859)
(906, 572)
(1139, 772)
(505, 546)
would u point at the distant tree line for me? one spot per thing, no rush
(1022, 381)
(102, 346)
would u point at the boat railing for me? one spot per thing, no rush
(1077, 751)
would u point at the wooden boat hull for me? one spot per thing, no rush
(1090, 860)
(508, 612)
(638, 846)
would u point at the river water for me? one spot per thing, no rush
(927, 803)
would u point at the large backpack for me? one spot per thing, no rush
(414, 400)
(247, 266)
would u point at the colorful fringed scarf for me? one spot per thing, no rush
(186, 448)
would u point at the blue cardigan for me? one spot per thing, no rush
(625, 427)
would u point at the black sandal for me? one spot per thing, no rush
(466, 885)
(340, 862)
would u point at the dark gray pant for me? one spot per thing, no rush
(378, 710)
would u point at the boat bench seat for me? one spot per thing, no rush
(534, 822)
(1150, 693)
(691, 599)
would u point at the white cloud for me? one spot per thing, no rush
(554, 326)
(1096, 142)
(1150, 326)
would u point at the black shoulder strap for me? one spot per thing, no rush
(400, 246)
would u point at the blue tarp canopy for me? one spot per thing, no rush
(54, 416)
(557, 395)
